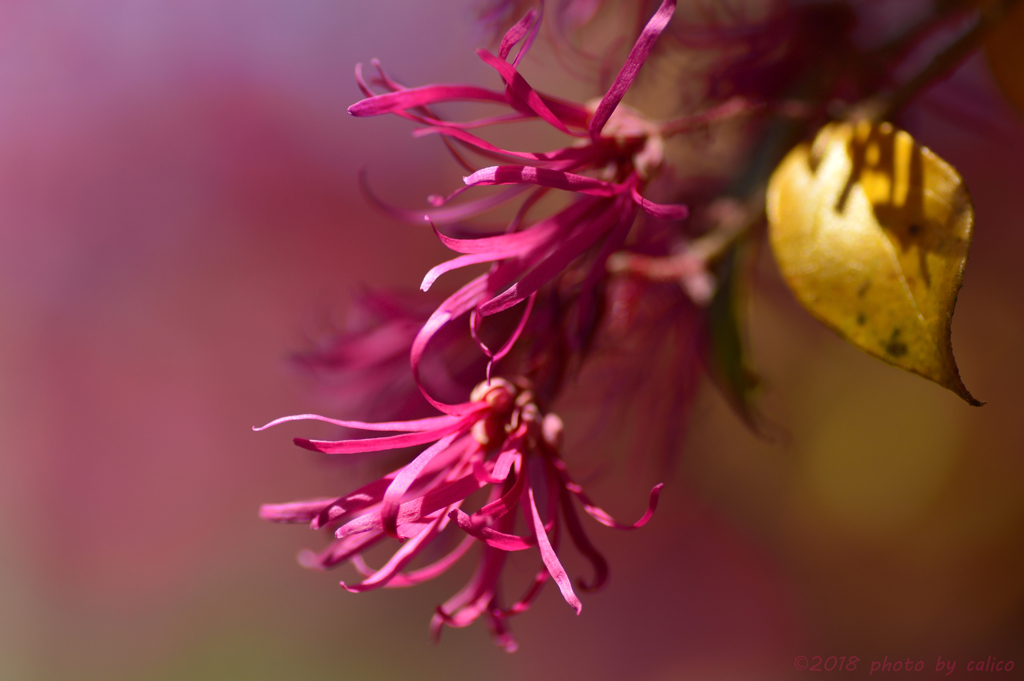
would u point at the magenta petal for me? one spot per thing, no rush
(416, 510)
(418, 425)
(524, 603)
(440, 216)
(472, 600)
(506, 245)
(500, 468)
(517, 33)
(502, 505)
(602, 516)
(377, 444)
(568, 250)
(582, 543)
(385, 78)
(456, 263)
(436, 125)
(294, 512)
(637, 56)
(339, 550)
(550, 558)
(568, 112)
(475, 321)
(673, 211)
(455, 305)
(521, 89)
(424, 574)
(491, 537)
(353, 502)
(399, 560)
(392, 102)
(545, 177)
(564, 154)
(459, 303)
(400, 485)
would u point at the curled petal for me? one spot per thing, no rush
(400, 559)
(424, 574)
(478, 596)
(504, 245)
(524, 603)
(601, 516)
(454, 264)
(462, 301)
(672, 211)
(500, 506)
(524, 28)
(493, 357)
(337, 551)
(521, 90)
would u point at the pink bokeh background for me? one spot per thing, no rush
(179, 210)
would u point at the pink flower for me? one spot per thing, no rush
(614, 155)
(498, 440)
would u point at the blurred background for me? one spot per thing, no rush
(179, 210)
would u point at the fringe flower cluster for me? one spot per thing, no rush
(499, 442)
(492, 467)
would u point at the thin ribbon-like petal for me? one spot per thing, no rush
(518, 86)
(582, 543)
(411, 98)
(377, 444)
(544, 177)
(416, 510)
(524, 603)
(596, 511)
(564, 154)
(398, 487)
(567, 251)
(294, 512)
(338, 551)
(418, 425)
(399, 560)
(550, 558)
(637, 56)
(491, 537)
(424, 574)
(518, 31)
(662, 211)
(439, 216)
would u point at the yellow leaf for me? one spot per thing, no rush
(871, 232)
(1004, 50)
